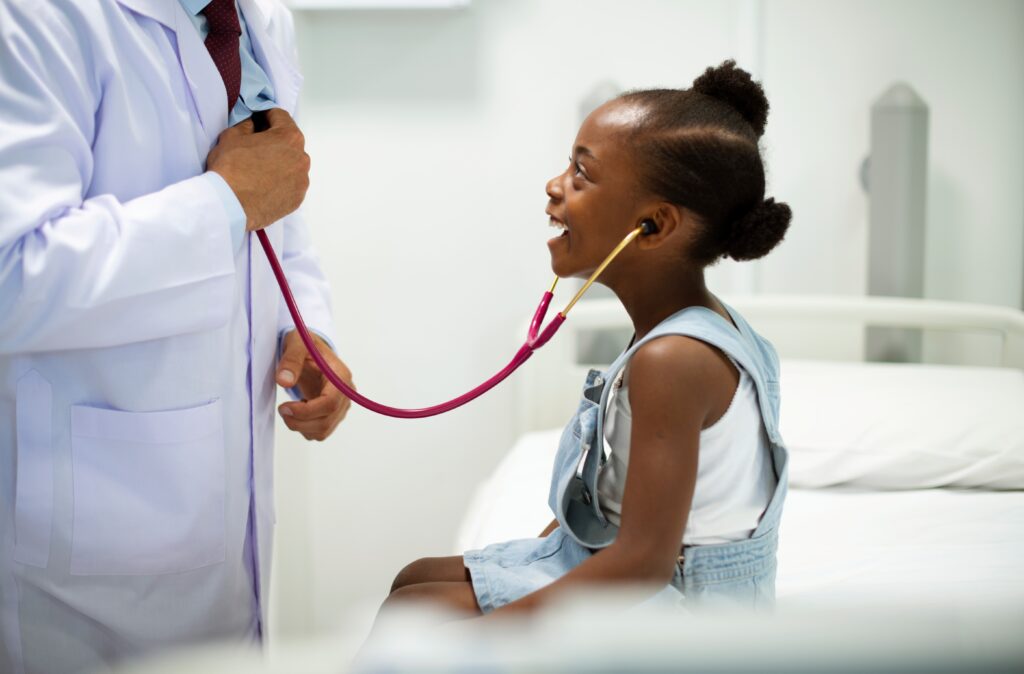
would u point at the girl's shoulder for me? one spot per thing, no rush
(695, 340)
(722, 332)
(678, 354)
(679, 372)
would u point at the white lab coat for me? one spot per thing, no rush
(137, 345)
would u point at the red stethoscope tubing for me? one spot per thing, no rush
(536, 338)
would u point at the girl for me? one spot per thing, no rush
(692, 491)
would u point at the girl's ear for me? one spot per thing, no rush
(666, 218)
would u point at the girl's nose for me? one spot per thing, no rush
(554, 188)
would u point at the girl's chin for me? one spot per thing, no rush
(559, 249)
(562, 265)
(564, 270)
(565, 263)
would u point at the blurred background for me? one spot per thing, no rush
(432, 132)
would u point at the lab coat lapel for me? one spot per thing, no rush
(204, 80)
(283, 73)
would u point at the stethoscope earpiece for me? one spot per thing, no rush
(648, 227)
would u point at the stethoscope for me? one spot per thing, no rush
(536, 336)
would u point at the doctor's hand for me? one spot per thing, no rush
(267, 171)
(322, 406)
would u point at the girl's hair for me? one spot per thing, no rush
(698, 148)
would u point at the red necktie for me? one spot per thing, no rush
(222, 43)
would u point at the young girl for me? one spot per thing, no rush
(692, 490)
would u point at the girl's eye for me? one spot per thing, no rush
(577, 170)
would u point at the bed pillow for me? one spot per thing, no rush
(903, 426)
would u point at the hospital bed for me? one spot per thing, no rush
(907, 479)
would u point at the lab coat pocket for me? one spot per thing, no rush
(148, 490)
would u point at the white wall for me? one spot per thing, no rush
(432, 134)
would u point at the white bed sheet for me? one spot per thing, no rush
(947, 547)
(957, 547)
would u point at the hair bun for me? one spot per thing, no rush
(735, 87)
(760, 230)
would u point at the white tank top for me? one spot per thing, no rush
(735, 479)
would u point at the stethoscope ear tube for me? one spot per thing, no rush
(536, 338)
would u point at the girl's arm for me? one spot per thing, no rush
(675, 382)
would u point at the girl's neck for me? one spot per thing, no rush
(648, 306)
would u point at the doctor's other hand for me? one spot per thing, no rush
(322, 406)
(267, 171)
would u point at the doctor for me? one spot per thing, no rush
(140, 326)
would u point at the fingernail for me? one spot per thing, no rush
(287, 377)
(285, 412)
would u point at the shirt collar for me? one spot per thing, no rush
(193, 7)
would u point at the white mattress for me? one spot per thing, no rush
(932, 546)
(944, 546)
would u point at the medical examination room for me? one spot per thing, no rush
(325, 329)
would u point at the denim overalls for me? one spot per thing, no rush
(738, 573)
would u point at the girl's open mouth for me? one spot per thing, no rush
(558, 224)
